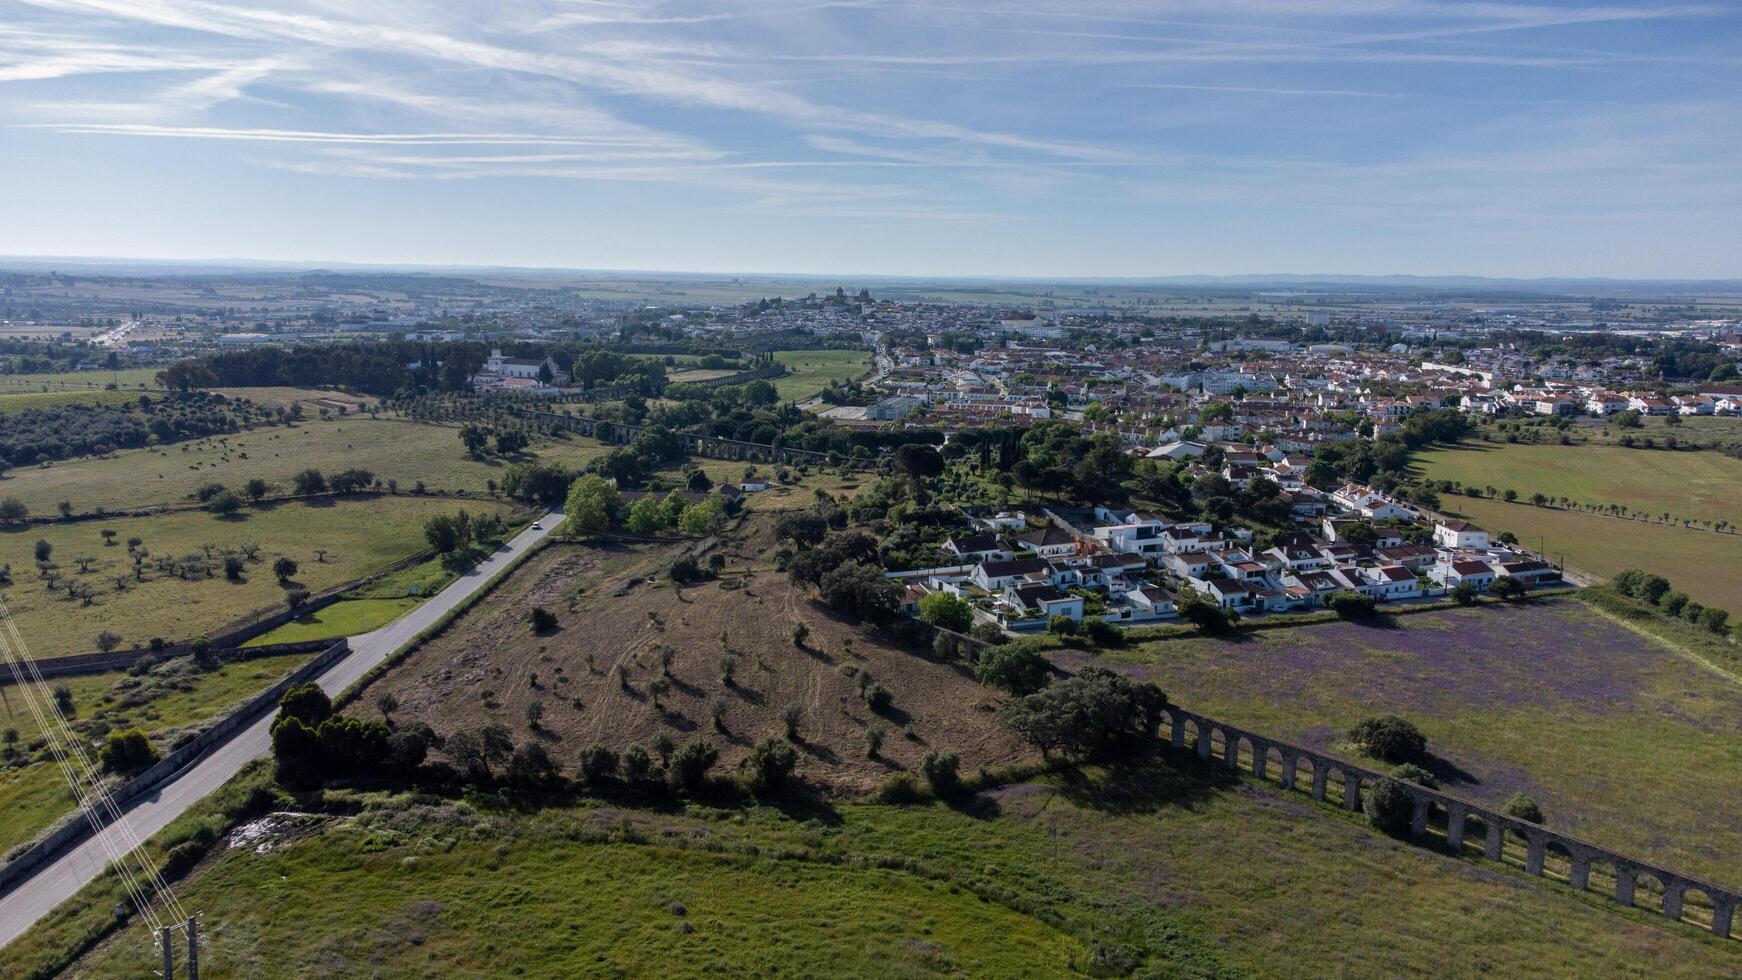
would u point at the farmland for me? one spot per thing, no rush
(172, 695)
(1623, 740)
(390, 448)
(1701, 563)
(358, 536)
(810, 370)
(1698, 485)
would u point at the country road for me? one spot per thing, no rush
(59, 881)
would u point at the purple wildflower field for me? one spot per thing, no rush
(1623, 740)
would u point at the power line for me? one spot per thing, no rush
(139, 875)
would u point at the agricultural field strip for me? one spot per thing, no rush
(61, 880)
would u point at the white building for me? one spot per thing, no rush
(1460, 535)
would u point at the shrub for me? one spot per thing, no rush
(1413, 773)
(1508, 588)
(900, 789)
(878, 697)
(636, 764)
(1016, 667)
(1351, 605)
(874, 735)
(1114, 960)
(1103, 633)
(127, 752)
(987, 633)
(1061, 626)
(790, 716)
(599, 763)
(306, 703)
(531, 767)
(684, 570)
(1464, 594)
(1652, 588)
(1714, 619)
(690, 765)
(1389, 738)
(1095, 713)
(1205, 613)
(1627, 582)
(945, 610)
(1523, 808)
(542, 619)
(770, 764)
(181, 858)
(1388, 806)
(1674, 601)
(942, 772)
(800, 633)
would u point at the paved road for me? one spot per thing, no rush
(59, 881)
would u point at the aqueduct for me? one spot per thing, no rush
(1192, 731)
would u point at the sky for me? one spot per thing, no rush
(1032, 138)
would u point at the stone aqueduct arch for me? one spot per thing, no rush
(1458, 814)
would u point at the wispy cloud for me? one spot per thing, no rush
(910, 110)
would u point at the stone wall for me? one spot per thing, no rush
(1194, 732)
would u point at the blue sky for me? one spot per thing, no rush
(1003, 137)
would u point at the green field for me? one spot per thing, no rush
(809, 371)
(134, 378)
(1705, 486)
(22, 399)
(390, 448)
(684, 375)
(1624, 741)
(348, 617)
(1185, 871)
(1703, 564)
(360, 537)
(34, 797)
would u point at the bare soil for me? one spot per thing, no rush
(616, 606)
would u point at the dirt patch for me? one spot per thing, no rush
(599, 676)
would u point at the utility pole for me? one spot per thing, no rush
(166, 943)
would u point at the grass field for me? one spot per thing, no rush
(24, 398)
(1623, 740)
(389, 448)
(1190, 873)
(1701, 485)
(682, 375)
(126, 378)
(1703, 564)
(34, 797)
(348, 617)
(1707, 430)
(811, 370)
(359, 536)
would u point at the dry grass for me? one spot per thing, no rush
(616, 607)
